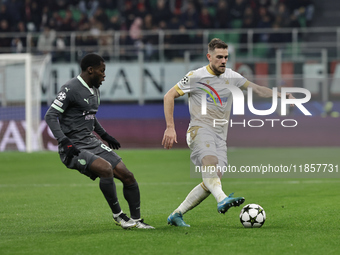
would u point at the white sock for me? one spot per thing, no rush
(117, 214)
(215, 187)
(194, 198)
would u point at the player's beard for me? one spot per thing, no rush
(216, 70)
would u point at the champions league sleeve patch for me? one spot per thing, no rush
(61, 96)
(185, 80)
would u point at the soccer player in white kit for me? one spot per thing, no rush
(210, 99)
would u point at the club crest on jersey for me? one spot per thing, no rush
(61, 96)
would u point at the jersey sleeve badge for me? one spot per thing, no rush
(185, 80)
(61, 96)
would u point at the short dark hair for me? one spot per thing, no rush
(91, 59)
(216, 43)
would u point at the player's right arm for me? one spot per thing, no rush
(170, 133)
(51, 118)
(57, 108)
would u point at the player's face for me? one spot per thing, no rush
(98, 75)
(218, 60)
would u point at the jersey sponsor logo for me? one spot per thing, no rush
(90, 117)
(57, 102)
(67, 89)
(93, 112)
(211, 100)
(61, 96)
(210, 94)
(86, 100)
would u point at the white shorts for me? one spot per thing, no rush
(203, 142)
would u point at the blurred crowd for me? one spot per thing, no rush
(134, 16)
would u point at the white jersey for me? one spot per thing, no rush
(209, 97)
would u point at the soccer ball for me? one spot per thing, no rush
(252, 216)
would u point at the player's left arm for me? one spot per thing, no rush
(111, 141)
(98, 128)
(265, 92)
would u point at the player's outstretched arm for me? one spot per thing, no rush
(170, 133)
(266, 92)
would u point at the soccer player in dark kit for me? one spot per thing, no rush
(72, 119)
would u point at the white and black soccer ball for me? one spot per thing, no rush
(252, 216)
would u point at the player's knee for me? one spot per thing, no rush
(102, 168)
(123, 174)
(209, 160)
(129, 178)
(105, 171)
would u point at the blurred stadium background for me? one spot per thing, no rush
(149, 45)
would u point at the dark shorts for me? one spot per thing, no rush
(87, 155)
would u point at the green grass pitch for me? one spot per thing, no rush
(49, 209)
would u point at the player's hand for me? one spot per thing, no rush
(69, 149)
(169, 138)
(290, 96)
(111, 141)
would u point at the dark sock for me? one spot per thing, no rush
(132, 196)
(108, 187)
